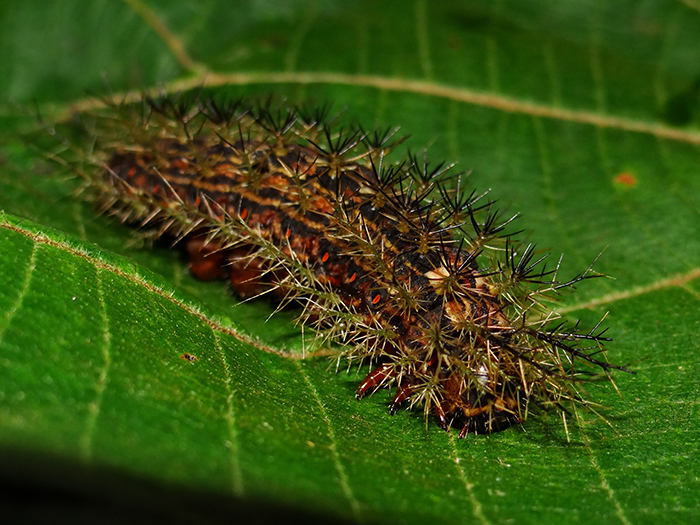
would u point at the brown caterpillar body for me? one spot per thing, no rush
(386, 260)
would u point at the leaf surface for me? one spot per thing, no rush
(584, 118)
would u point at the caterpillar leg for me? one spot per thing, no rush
(405, 390)
(374, 380)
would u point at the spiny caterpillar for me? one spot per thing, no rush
(393, 262)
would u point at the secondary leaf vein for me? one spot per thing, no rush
(422, 38)
(603, 479)
(173, 42)
(4, 323)
(86, 439)
(469, 487)
(234, 449)
(680, 280)
(342, 475)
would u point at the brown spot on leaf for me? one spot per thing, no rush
(625, 179)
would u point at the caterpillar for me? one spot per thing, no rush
(393, 262)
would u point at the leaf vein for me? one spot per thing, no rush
(40, 238)
(421, 19)
(603, 479)
(294, 49)
(596, 65)
(173, 42)
(234, 449)
(691, 4)
(342, 475)
(86, 440)
(469, 487)
(680, 280)
(406, 85)
(31, 266)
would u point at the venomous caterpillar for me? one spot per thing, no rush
(392, 261)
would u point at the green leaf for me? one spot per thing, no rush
(583, 117)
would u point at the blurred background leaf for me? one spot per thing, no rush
(583, 116)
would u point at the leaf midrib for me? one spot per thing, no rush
(405, 85)
(8, 222)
